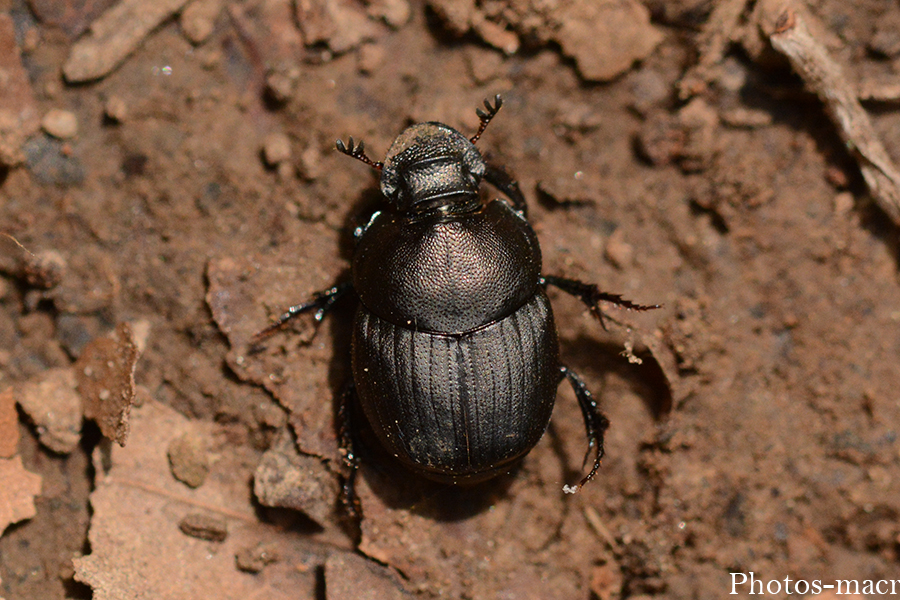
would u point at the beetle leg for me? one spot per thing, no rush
(485, 117)
(591, 295)
(358, 152)
(504, 182)
(349, 454)
(595, 423)
(322, 302)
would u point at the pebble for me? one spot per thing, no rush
(279, 87)
(198, 19)
(276, 149)
(618, 251)
(371, 56)
(115, 109)
(843, 203)
(204, 527)
(61, 124)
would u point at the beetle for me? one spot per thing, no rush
(455, 357)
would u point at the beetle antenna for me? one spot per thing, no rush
(485, 117)
(358, 152)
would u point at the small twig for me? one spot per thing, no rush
(161, 492)
(596, 523)
(824, 76)
(17, 243)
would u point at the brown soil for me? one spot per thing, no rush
(759, 433)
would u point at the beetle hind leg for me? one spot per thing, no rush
(348, 446)
(595, 423)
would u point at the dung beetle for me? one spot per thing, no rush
(455, 358)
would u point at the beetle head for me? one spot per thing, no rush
(431, 166)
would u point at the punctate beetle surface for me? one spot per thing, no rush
(455, 357)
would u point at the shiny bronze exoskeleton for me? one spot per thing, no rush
(455, 353)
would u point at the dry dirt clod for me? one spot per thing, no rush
(44, 270)
(198, 19)
(276, 149)
(371, 56)
(395, 13)
(288, 479)
(688, 138)
(619, 252)
(189, 459)
(497, 36)
(55, 408)
(565, 191)
(311, 166)
(340, 25)
(71, 17)
(280, 86)
(352, 577)
(255, 559)
(605, 38)
(713, 42)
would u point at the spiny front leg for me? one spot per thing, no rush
(322, 302)
(591, 295)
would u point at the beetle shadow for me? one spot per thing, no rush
(597, 358)
(398, 488)
(340, 318)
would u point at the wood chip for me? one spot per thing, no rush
(19, 116)
(115, 35)
(9, 424)
(105, 372)
(137, 547)
(824, 76)
(72, 16)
